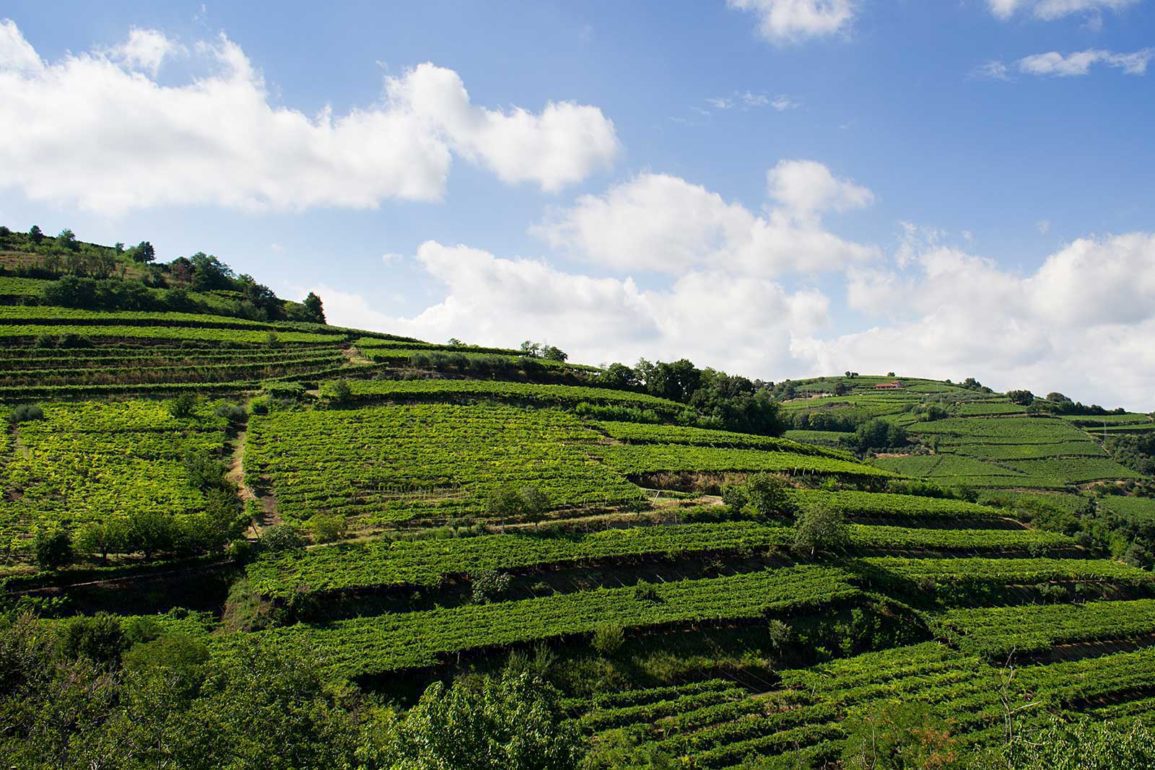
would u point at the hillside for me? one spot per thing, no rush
(231, 533)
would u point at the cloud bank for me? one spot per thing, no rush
(99, 130)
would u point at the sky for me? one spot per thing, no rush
(776, 188)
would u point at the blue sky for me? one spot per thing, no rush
(776, 187)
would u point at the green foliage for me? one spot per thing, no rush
(99, 638)
(1081, 745)
(1021, 397)
(406, 462)
(25, 413)
(879, 434)
(607, 639)
(335, 392)
(325, 528)
(489, 585)
(281, 537)
(314, 310)
(894, 735)
(770, 495)
(183, 406)
(511, 722)
(53, 549)
(820, 529)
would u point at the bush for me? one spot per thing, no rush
(735, 497)
(281, 537)
(183, 406)
(781, 635)
(335, 392)
(489, 585)
(508, 500)
(1081, 745)
(327, 527)
(770, 495)
(53, 549)
(608, 639)
(896, 735)
(98, 638)
(26, 413)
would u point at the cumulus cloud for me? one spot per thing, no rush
(1054, 9)
(1079, 63)
(746, 324)
(781, 21)
(1077, 324)
(99, 130)
(662, 223)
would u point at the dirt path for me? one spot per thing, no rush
(236, 474)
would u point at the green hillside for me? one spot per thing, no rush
(228, 526)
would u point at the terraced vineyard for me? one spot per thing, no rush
(382, 515)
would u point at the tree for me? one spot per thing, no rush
(879, 434)
(53, 549)
(769, 494)
(511, 722)
(618, 376)
(314, 309)
(67, 239)
(820, 529)
(36, 235)
(143, 252)
(1021, 397)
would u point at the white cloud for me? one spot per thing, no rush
(706, 316)
(1054, 9)
(782, 21)
(97, 129)
(995, 70)
(145, 49)
(16, 54)
(662, 223)
(1079, 324)
(1079, 63)
(751, 100)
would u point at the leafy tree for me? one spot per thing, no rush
(552, 353)
(512, 722)
(879, 434)
(896, 735)
(820, 528)
(769, 494)
(67, 239)
(1021, 397)
(36, 235)
(53, 549)
(314, 309)
(618, 376)
(676, 381)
